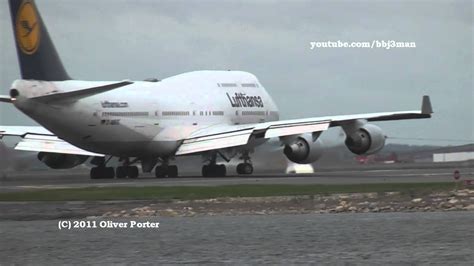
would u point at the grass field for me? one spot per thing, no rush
(205, 192)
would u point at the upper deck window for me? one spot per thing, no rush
(227, 85)
(249, 85)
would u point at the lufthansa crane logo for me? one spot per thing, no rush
(27, 28)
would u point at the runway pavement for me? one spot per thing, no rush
(16, 181)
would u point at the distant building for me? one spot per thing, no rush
(419, 154)
(453, 157)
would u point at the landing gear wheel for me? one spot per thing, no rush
(205, 170)
(102, 172)
(109, 172)
(214, 170)
(132, 171)
(166, 171)
(244, 169)
(121, 172)
(239, 168)
(95, 173)
(172, 171)
(222, 170)
(160, 171)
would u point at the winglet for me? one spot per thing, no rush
(426, 105)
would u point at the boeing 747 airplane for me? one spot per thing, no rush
(217, 114)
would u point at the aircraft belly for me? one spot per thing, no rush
(134, 148)
(125, 141)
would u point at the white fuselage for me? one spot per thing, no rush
(147, 118)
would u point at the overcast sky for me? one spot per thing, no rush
(115, 40)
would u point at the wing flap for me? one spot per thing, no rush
(214, 142)
(220, 137)
(291, 129)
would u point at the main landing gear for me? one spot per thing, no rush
(102, 171)
(212, 169)
(219, 170)
(126, 171)
(245, 168)
(166, 170)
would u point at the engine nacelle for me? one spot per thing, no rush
(304, 150)
(367, 139)
(61, 161)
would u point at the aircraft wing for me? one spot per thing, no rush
(225, 136)
(39, 139)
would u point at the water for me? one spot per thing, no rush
(365, 238)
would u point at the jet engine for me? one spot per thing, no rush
(61, 161)
(365, 139)
(303, 149)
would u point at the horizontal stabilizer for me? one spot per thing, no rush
(78, 94)
(5, 99)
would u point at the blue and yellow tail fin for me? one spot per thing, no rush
(36, 53)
